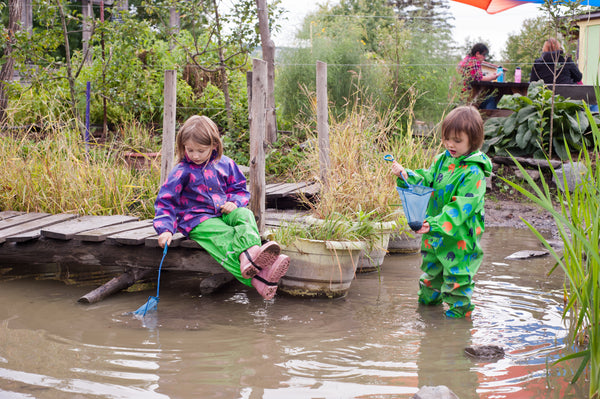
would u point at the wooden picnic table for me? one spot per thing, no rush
(499, 89)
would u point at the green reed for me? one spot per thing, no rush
(577, 218)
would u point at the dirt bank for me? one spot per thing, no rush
(506, 207)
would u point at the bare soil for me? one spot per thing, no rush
(506, 207)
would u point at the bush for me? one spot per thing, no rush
(526, 132)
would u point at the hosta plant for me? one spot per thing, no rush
(526, 132)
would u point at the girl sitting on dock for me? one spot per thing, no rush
(205, 198)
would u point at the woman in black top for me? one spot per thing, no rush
(552, 61)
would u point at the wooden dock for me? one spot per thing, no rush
(290, 195)
(118, 244)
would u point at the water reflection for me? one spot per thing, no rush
(376, 342)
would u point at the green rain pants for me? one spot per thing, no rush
(226, 237)
(449, 279)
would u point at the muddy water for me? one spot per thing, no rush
(375, 343)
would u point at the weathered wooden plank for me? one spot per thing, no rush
(66, 230)
(98, 235)
(132, 237)
(313, 189)
(24, 218)
(288, 188)
(177, 239)
(272, 187)
(102, 256)
(9, 214)
(33, 228)
(190, 244)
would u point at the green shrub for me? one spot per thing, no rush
(578, 222)
(526, 132)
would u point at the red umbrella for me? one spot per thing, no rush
(495, 6)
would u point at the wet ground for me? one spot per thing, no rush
(374, 343)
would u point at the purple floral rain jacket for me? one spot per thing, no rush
(194, 193)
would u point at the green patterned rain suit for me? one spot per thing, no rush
(451, 250)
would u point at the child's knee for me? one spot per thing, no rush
(428, 295)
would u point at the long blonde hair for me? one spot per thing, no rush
(201, 130)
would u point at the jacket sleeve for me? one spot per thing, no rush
(464, 205)
(424, 177)
(236, 190)
(168, 201)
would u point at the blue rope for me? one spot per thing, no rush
(160, 268)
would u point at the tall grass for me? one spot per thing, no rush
(578, 222)
(359, 180)
(57, 174)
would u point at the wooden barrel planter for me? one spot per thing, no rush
(320, 268)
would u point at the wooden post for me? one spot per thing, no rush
(268, 53)
(257, 141)
(323, 122)
(87, 14)
(249, 94)
(168, 140)
(27, 16)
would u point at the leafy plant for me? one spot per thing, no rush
(526, 131)
(578, 222)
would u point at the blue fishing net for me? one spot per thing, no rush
(415, 199)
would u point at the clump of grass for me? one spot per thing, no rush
(335, 227)
(358, 178)
(57, 173)
(578, 222)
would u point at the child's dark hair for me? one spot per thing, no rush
(201, 130)
(465, 119)
(479, 48)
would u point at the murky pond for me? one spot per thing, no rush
(375, 343)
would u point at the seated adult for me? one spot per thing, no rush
(553, 62)
(470, 69)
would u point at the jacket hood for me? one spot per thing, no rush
(481, 159)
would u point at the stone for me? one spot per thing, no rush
(485, 352)
(534, 174)
(574, 173)
(438, 392)
(526, 254)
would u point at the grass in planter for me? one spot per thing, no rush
(333, 228)
(56, 174)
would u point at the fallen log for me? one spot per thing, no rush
(115, 285)
(541, 163)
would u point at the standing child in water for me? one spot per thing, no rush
(205, 198)
(454, 223)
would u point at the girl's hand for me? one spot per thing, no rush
(228, 207)
(424, 229)
(398, 170)
(165, 238)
